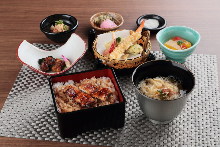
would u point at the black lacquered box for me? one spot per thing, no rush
(109, 116)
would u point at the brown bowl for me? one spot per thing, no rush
(118, 20)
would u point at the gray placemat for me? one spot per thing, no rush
(28, 111)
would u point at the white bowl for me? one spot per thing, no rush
(73, 49)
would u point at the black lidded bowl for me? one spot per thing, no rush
(161, 20)
(109, 116)
(61, 37)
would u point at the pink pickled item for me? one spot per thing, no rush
(108, 24)
(67, 62)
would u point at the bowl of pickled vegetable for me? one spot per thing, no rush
(178, 42)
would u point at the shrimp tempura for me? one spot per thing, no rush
(126, 43)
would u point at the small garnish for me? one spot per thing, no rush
(58, 22)
(180, 42)
(40, 61)
(67, 62)
(163, 94)
(177, 38)
(118, 40)
(98, 20)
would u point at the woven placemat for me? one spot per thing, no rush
(28, 111)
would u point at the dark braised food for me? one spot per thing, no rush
(88, 93)
(51, 64)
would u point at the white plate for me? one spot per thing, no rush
(73, 50)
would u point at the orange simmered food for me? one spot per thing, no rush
(88, 93)
(178, 43)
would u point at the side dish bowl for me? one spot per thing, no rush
(160, 19)
(73, 50)
(60, 37)
(118, 20)
(181, 31)
(109, 116)
(163, 111)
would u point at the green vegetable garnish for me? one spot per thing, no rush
(118, 40)
(61, 24)
(180, 42)
(162, 94)
(40, 61)
(160, 91)
(58, 22)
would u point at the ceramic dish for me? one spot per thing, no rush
(61, 37)
(118, 20)
(73, 50)
(108, 116)
(163, 111)
(161, 20)
(186, 33)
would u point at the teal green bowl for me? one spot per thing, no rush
(184, 32)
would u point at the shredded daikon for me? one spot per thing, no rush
(151, 23)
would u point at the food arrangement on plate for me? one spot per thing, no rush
(123, 48)
(106, 21)
(94, 97)
(177, 43)
(153, 22)
(52, 62)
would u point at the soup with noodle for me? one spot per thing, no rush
(161, 88)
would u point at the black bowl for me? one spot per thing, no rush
(61, 37)
(162, 21)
